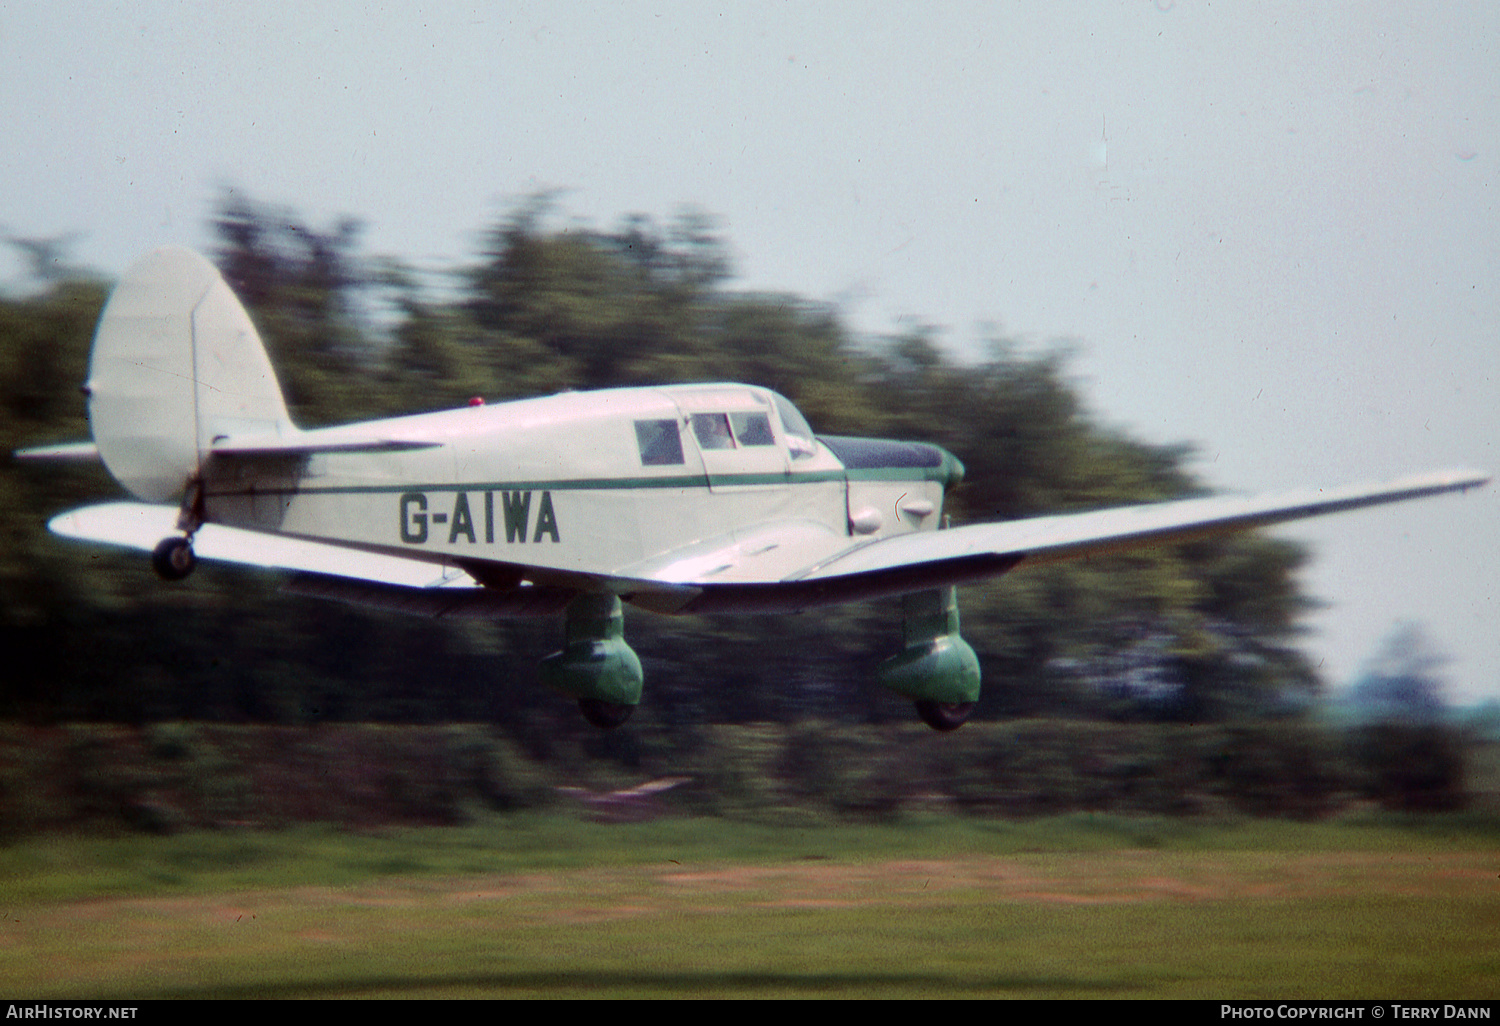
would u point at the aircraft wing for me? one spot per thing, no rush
(963, 555)
(777, 567)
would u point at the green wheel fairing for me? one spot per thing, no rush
(937, 665)
(595, 664)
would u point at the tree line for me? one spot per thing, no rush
(1198, 632)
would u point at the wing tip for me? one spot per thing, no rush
(1455, 480)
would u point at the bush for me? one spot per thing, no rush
(172, 776)
(1278, 768)
(1412, 767)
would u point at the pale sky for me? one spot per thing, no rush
(1271, 229)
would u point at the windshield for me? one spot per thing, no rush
(799, 434)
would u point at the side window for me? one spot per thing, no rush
(752, 428)
(660, 442)
(712, 430)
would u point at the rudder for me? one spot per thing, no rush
(176, 363)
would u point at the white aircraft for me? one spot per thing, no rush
(677, 499)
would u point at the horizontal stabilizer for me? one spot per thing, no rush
(311, 442)
(70, 452)
(138, 525)
(320, 569)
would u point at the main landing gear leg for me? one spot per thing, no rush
(596, 666)
(937, 670)
(173, 558)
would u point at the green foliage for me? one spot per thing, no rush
(1195, 633)
(500, 773)
(1412, 767)
(103, 778)
(303, 287)
(1047, 767)
(1279, 769)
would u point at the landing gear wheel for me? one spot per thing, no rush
(604, 715)
(944, 716)
(173, 559)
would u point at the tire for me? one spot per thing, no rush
(944, 716)
(604, 715)
(173, 559)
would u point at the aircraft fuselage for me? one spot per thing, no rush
(584, 482)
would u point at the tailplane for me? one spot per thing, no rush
(176, 364)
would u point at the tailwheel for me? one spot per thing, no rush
(604, 715)
(173, 559)
(944, 716)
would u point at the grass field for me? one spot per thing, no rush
(942, 906)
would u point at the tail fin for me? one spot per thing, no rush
(176, 363)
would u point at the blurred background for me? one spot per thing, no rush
(1105, 254)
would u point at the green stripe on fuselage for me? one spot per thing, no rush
(893, 474)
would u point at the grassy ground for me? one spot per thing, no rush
(517, 906)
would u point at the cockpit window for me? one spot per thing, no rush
(660, 442)
(712, 430)
(752, 428)
(799, 435)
